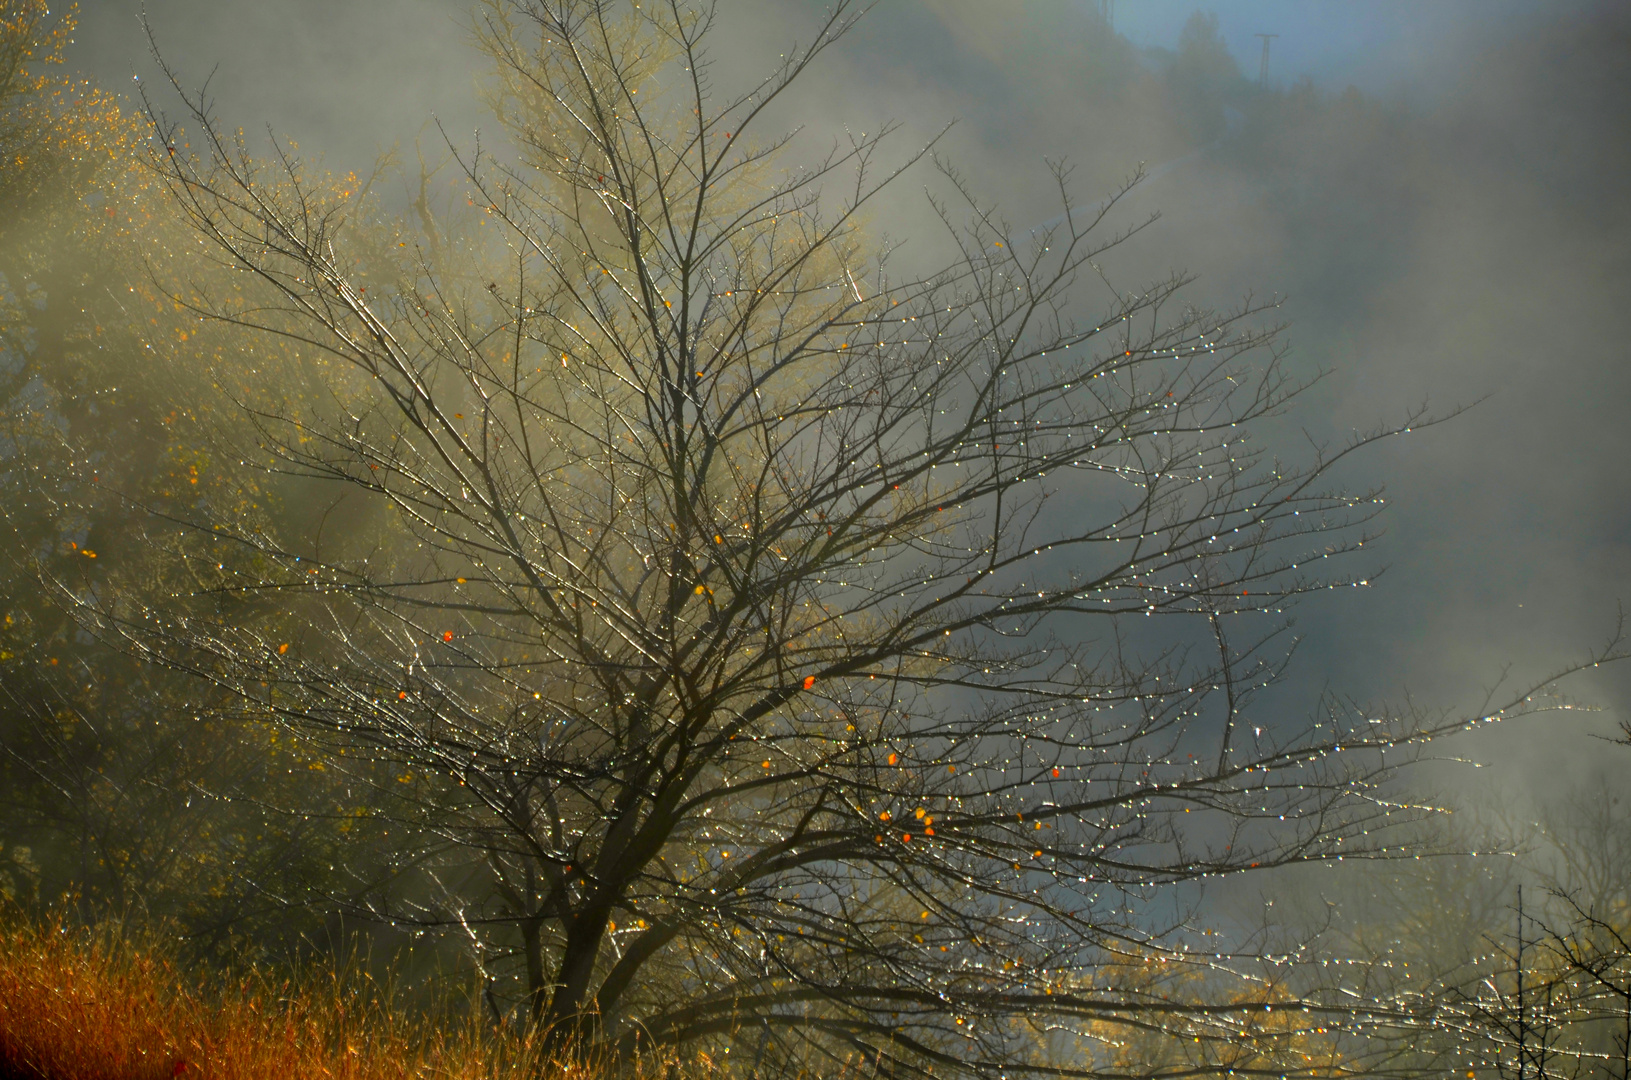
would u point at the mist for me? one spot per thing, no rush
(1452, 229)
(1432, 199)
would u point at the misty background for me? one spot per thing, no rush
(1439, 192)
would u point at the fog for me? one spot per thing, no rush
(1455, 230)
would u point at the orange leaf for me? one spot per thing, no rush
(281, 649)
(447, 635)
(809, 681)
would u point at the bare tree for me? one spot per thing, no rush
(769, 650)
(1558, 1006)
(1591, 954)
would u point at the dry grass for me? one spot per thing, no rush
(80, 1004)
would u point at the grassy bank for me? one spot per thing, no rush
(96, 1004)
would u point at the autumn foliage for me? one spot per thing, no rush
(106, 1004)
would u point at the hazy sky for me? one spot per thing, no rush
(345, 77)
(334, 70)
(1474, 248)
(1388, 47)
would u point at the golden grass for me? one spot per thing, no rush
(79, 1004)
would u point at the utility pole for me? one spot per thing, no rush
(1107, 12)
(1263, 69)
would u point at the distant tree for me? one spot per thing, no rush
(1551, 996)
(1203, 74)
(112, 771)
(1203, 55)
(772, 653)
